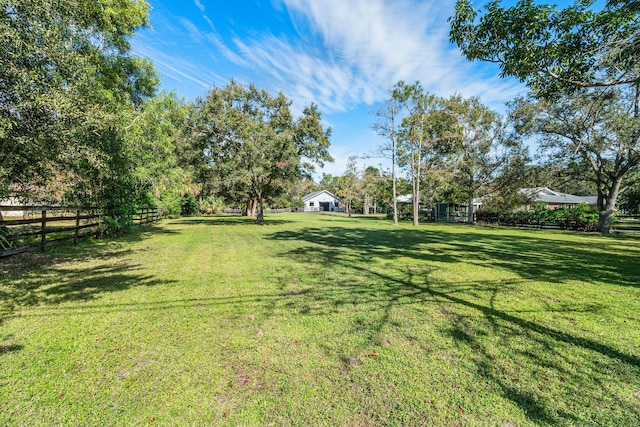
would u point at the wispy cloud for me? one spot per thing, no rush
(349, 53)
(199, 5)
(345, 53)
(179, 69)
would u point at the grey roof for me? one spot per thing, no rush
(316, 193)
(544, 194)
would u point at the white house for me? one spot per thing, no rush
(321, 201)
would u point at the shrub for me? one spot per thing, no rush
(212, 204)
(281, 203)
(114, 226)
(170, 205)
(581, 218)
(189, 206)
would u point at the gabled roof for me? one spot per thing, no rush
(317, 193)
(544, 194)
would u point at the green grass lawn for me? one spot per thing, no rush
(323, 320)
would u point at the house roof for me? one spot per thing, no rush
(317, 193)
(544, 194)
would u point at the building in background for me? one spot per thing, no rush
(322, 201)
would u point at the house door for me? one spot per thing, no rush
(324, 206)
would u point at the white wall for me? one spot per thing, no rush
(322, 198)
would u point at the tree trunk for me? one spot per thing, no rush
(393, 179)
(259, 205)
(365, 207)
(605, 214)
(416, 207)
(416, 197)
(604, 220)
(470, 209)
(254, 206)
(415, 170)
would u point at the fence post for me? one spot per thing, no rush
(43, 226)
(96, 221)
(75, 232)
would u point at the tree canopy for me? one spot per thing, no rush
(595, 134)
(554, 50)
(481, 148)
(68, 86)
(251, 144)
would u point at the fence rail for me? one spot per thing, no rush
(146, 216)
(42, 226)
(626, 222)
(24, 228)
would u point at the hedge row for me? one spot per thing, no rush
(581, 218)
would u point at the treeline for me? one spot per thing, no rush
(81, 122)
(583, 109)
(456, 149)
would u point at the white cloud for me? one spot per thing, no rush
(199, 5)
(349, 53)
(178, 69)
(340, 156)
(192, 31)
(345, 53)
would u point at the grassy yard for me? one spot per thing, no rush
(323, 320)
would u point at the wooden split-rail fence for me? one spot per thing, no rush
(24, 228)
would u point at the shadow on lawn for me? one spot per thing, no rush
(72, 273)
(535, 354)
(529, 257)
(227, 220)
(9, 348)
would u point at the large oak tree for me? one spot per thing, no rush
(252, 147)
(593, 133)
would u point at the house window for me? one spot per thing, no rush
(336, 204)
(311, 204)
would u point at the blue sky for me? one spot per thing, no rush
(343, 55)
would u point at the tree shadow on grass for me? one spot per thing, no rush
(528, 256)
(555, 374)
(227, 220)
(67, 273)
(70, 274)
(549, 354)
(9, 348)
